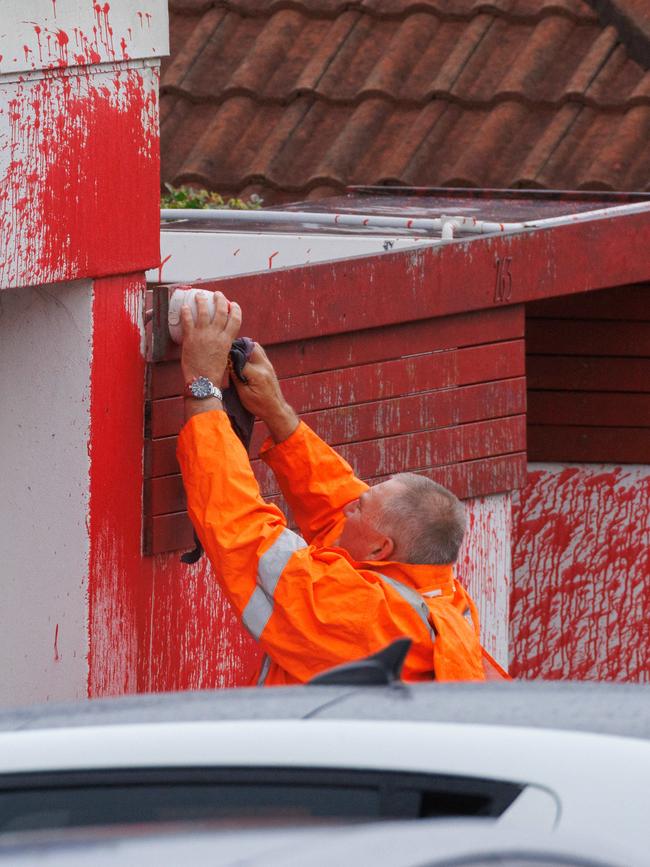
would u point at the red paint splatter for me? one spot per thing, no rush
(272, 257)
(581, 562)
(236, 253)
(66, 139)
(56, 644)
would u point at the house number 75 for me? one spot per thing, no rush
(503, 285)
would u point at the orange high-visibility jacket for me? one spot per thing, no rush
(310, 605)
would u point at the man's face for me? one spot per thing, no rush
(360, 538)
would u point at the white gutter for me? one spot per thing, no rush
(446, 225)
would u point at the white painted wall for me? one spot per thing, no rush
(485, 568)
(50, 34)
(45, 356)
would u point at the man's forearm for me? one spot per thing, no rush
(194, 407)
(282, 421)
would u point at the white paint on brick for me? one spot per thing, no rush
(45, 355)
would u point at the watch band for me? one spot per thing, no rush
(201, 388)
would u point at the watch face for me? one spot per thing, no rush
(201, 387)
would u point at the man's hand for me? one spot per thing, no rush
(206, 344)
(263, 396)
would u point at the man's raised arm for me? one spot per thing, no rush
(315, 481)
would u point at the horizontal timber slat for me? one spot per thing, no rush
(612, 445)
(373, 382)
(295, 358)
(408, 452)
(619, 302)
(586, 373)
(397, 415)
(578, 337)
(171, 532)
(589, 409)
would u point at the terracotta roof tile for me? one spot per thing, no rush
(289, 97)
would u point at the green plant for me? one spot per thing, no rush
(190, 197)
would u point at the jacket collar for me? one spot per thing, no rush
(428, 580)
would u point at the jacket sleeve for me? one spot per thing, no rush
(315, 481)
(309, 608)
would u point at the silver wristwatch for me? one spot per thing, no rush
(201, 387)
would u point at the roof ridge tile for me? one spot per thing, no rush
(519, 10)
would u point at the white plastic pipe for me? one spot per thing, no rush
(443, 224)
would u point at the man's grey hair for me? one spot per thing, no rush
(425, 520)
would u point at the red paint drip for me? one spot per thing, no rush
(56, 644)
(62, 41)
(54, 7)
(160, 267)
(409, 223)
(37, 31)
(272, 257)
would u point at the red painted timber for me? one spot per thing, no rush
(365, 421)
(370, 382)
(599, 409)
(382, 456)
(368, 292)
(299, 357)
(415, 412)
(615, 445)
(575, 337)
(398, 415)
(173, 532)
(619, 302)
(585, 373)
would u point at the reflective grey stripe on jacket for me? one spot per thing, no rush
(259, 607)
(264, 671)
(414, 599)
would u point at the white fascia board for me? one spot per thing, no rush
(188, 256)
(54, 34)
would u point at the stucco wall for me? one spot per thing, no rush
(45, 353)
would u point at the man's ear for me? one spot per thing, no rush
(384, 549)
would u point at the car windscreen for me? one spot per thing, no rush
(269, 795)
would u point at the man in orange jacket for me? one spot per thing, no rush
(371, 565)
